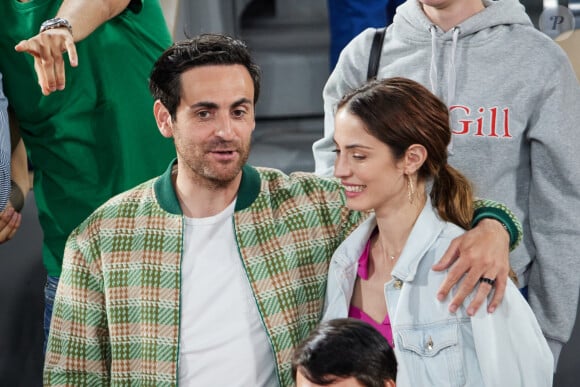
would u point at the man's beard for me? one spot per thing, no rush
(217, 178)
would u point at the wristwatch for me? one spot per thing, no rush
(57, 22)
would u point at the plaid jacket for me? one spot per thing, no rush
(117, 309)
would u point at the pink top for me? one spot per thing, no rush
(363, 272)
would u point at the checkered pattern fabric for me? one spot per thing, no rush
(117, 309)
(116, 313)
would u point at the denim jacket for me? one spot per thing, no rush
(433, 346)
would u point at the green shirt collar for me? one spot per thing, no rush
(247, 193)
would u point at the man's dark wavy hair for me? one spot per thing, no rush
(202, 50)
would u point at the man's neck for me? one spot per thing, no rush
(199, 199)
(450, 15)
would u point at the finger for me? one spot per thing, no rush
(58, 69)
(450, 256)
(25, 46)
(33, 48)
(4, 234)
(467, 285)
(453, 276)
(44, 61)
(483, 290)
(21, 46)
(42, 66)
(7, 229)
(15, 225)
(39, 69)
(5, 217)
(48, 63)
(499, 291)
(71, 49)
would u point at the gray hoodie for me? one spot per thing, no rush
(515, 110)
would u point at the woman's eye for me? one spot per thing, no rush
(358, 156)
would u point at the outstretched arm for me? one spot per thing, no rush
(48, 47)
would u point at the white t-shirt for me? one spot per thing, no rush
(223, 341)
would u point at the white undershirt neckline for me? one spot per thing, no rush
(222, 339)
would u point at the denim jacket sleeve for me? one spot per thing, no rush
(510, 346)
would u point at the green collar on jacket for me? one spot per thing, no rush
(247, 193)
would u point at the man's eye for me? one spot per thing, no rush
(203, 114)
(239, 113)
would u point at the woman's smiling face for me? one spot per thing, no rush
(367, 168)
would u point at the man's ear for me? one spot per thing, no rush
(390, 383)
(163, 118)
(415, 156)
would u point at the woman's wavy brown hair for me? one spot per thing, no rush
(400, 112)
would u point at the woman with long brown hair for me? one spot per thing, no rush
(391, 142)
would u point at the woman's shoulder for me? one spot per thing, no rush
(451, 231)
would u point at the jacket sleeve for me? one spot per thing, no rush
(554, 203)
(4, 150)
(510, 347)
(78, 346)
(349, 73)
(490, 209)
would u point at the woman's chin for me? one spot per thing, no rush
(357, 205)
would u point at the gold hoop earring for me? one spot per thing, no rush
(410, 189)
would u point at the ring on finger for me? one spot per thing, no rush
(489, 281)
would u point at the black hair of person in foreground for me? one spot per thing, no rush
(344, 352)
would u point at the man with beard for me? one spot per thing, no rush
(212, 273)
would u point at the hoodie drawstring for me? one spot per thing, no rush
(433, 66)
(452, 76)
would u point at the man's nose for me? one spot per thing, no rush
(224, 128)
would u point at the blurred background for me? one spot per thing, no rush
(290, 40)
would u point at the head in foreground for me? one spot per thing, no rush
(344, 353)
